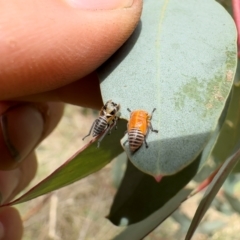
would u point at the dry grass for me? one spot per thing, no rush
(77, 212)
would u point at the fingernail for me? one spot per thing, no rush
(21, 129)
(101, 4)
(9, 180)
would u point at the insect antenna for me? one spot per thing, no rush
(145, 142)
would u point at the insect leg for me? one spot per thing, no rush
(151, 127)
(150, 124)
(128, 109)
(145, 142)
(110, 129)
(114, 125)
(90, 129)
(153, 130)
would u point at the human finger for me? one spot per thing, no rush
(22, 127)
(49, 44)
(14, 181)
(11, 227)
(84, 92)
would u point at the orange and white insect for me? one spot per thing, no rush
(138, 128)
(107, 120)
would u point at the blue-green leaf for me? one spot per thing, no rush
(181, 60)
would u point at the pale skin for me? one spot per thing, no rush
(49, 51)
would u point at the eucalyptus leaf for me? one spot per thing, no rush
(181, 60)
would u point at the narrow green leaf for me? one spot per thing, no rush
(230, 130)
(87, 160)
(181, 60)
(212, 190)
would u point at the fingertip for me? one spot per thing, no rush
(11, 226)
(103, 4)
(84, 92)
(23, 127)
(28, 170)
(55, 44)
